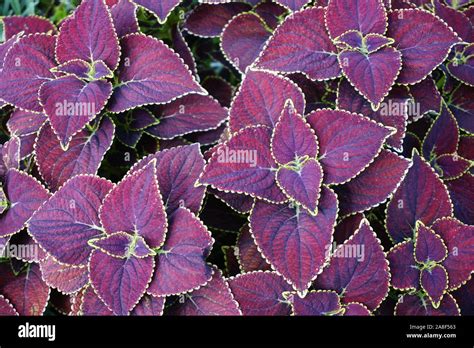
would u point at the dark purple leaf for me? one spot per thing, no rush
(122, 245)
(462, 106)
(412, 305)
(434, 282)
(443, 136)
(461, 191)
(455, 19)
(428, 245)
(149, 306)
(13, 25)
(249, 257)
(6, 308)
(451, 166)
(181, 47)
(124, 16)
(84, 70)
(93, 305)
(25, 123)
(317, 303)
(161, 9)
(67, 279)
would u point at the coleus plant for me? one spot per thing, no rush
(238, 158)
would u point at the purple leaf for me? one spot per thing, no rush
(219, 89)
(67, 279)
(421, 196)
(238, 202)
(292, 137)
(424, 41)
(124, 15)
(462, 106)
(71, 103)
(261, 99)
(346, 227)
(462, 65)
(182, 48)
(64, 225)
(93, 305)
(392, 113)
(249, 257)
(347, 142)
(461, 191)
(459, 239)
(366, 16)
(150, 73)
(244, 165)
(214, 298)
(135, 206)
(243, 39)
(427, 96)
(270, 12)
(13, 25)
(181, 265)
(161, 9)
(356, 309)
(293, 241)
(27, 292)
(412, 305)
(208, 20)
(301, 44)
(443, 136)
(374, 185)
(359, 276)
(260, 293)
(451, 166)
(372, 75)
(120, 283)
(10, 152)
(428, 245)
(23, 241)
(455, 19)
(317, 303)
(122, 245)
(177, 170)
(89, 35)
(464, 297)
(25, 123)
(25, 195)
(83, 156)
(6, 308)
(149, 306)
(188, 114)
(434, 282)
(84, 70)
(26, 67)
(302, 184)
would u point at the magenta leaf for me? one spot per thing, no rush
(71, 103)
(64, 225)
(24, 196)
(374, 185)
(347, 142)
(443, 136)
(421, 196)
(13, 25)
(122, 245)
(26, 292)
(10, 152)
(260, 293)
(293, 241)
(359, 276)
(366, 16)
(302, 183)
(6, 308)
(244, 165)
(25, 123)
(188, 114)
(181, 265)
(301, 44)
(209, 20)
(67, 279)
(150, 73)
(356, 309)
(292, 138)
(261, 99)
(293, 5)
(89, 35)
(125, 18)
(181, 47)
(455, 19)
(373, 74)
(26, 67)
(249, 257)
(423, 40)
(243, 39)
(459, 239)
(317, 303)
(412, 305)
(177, 170)
(120, 283)
(161, 9)
(93, 305)
(149, 306)
(462, 64)
(461, 191)
(135, 206)
(214, 298)
(83, 156)
(429, 246)
(434, 282)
